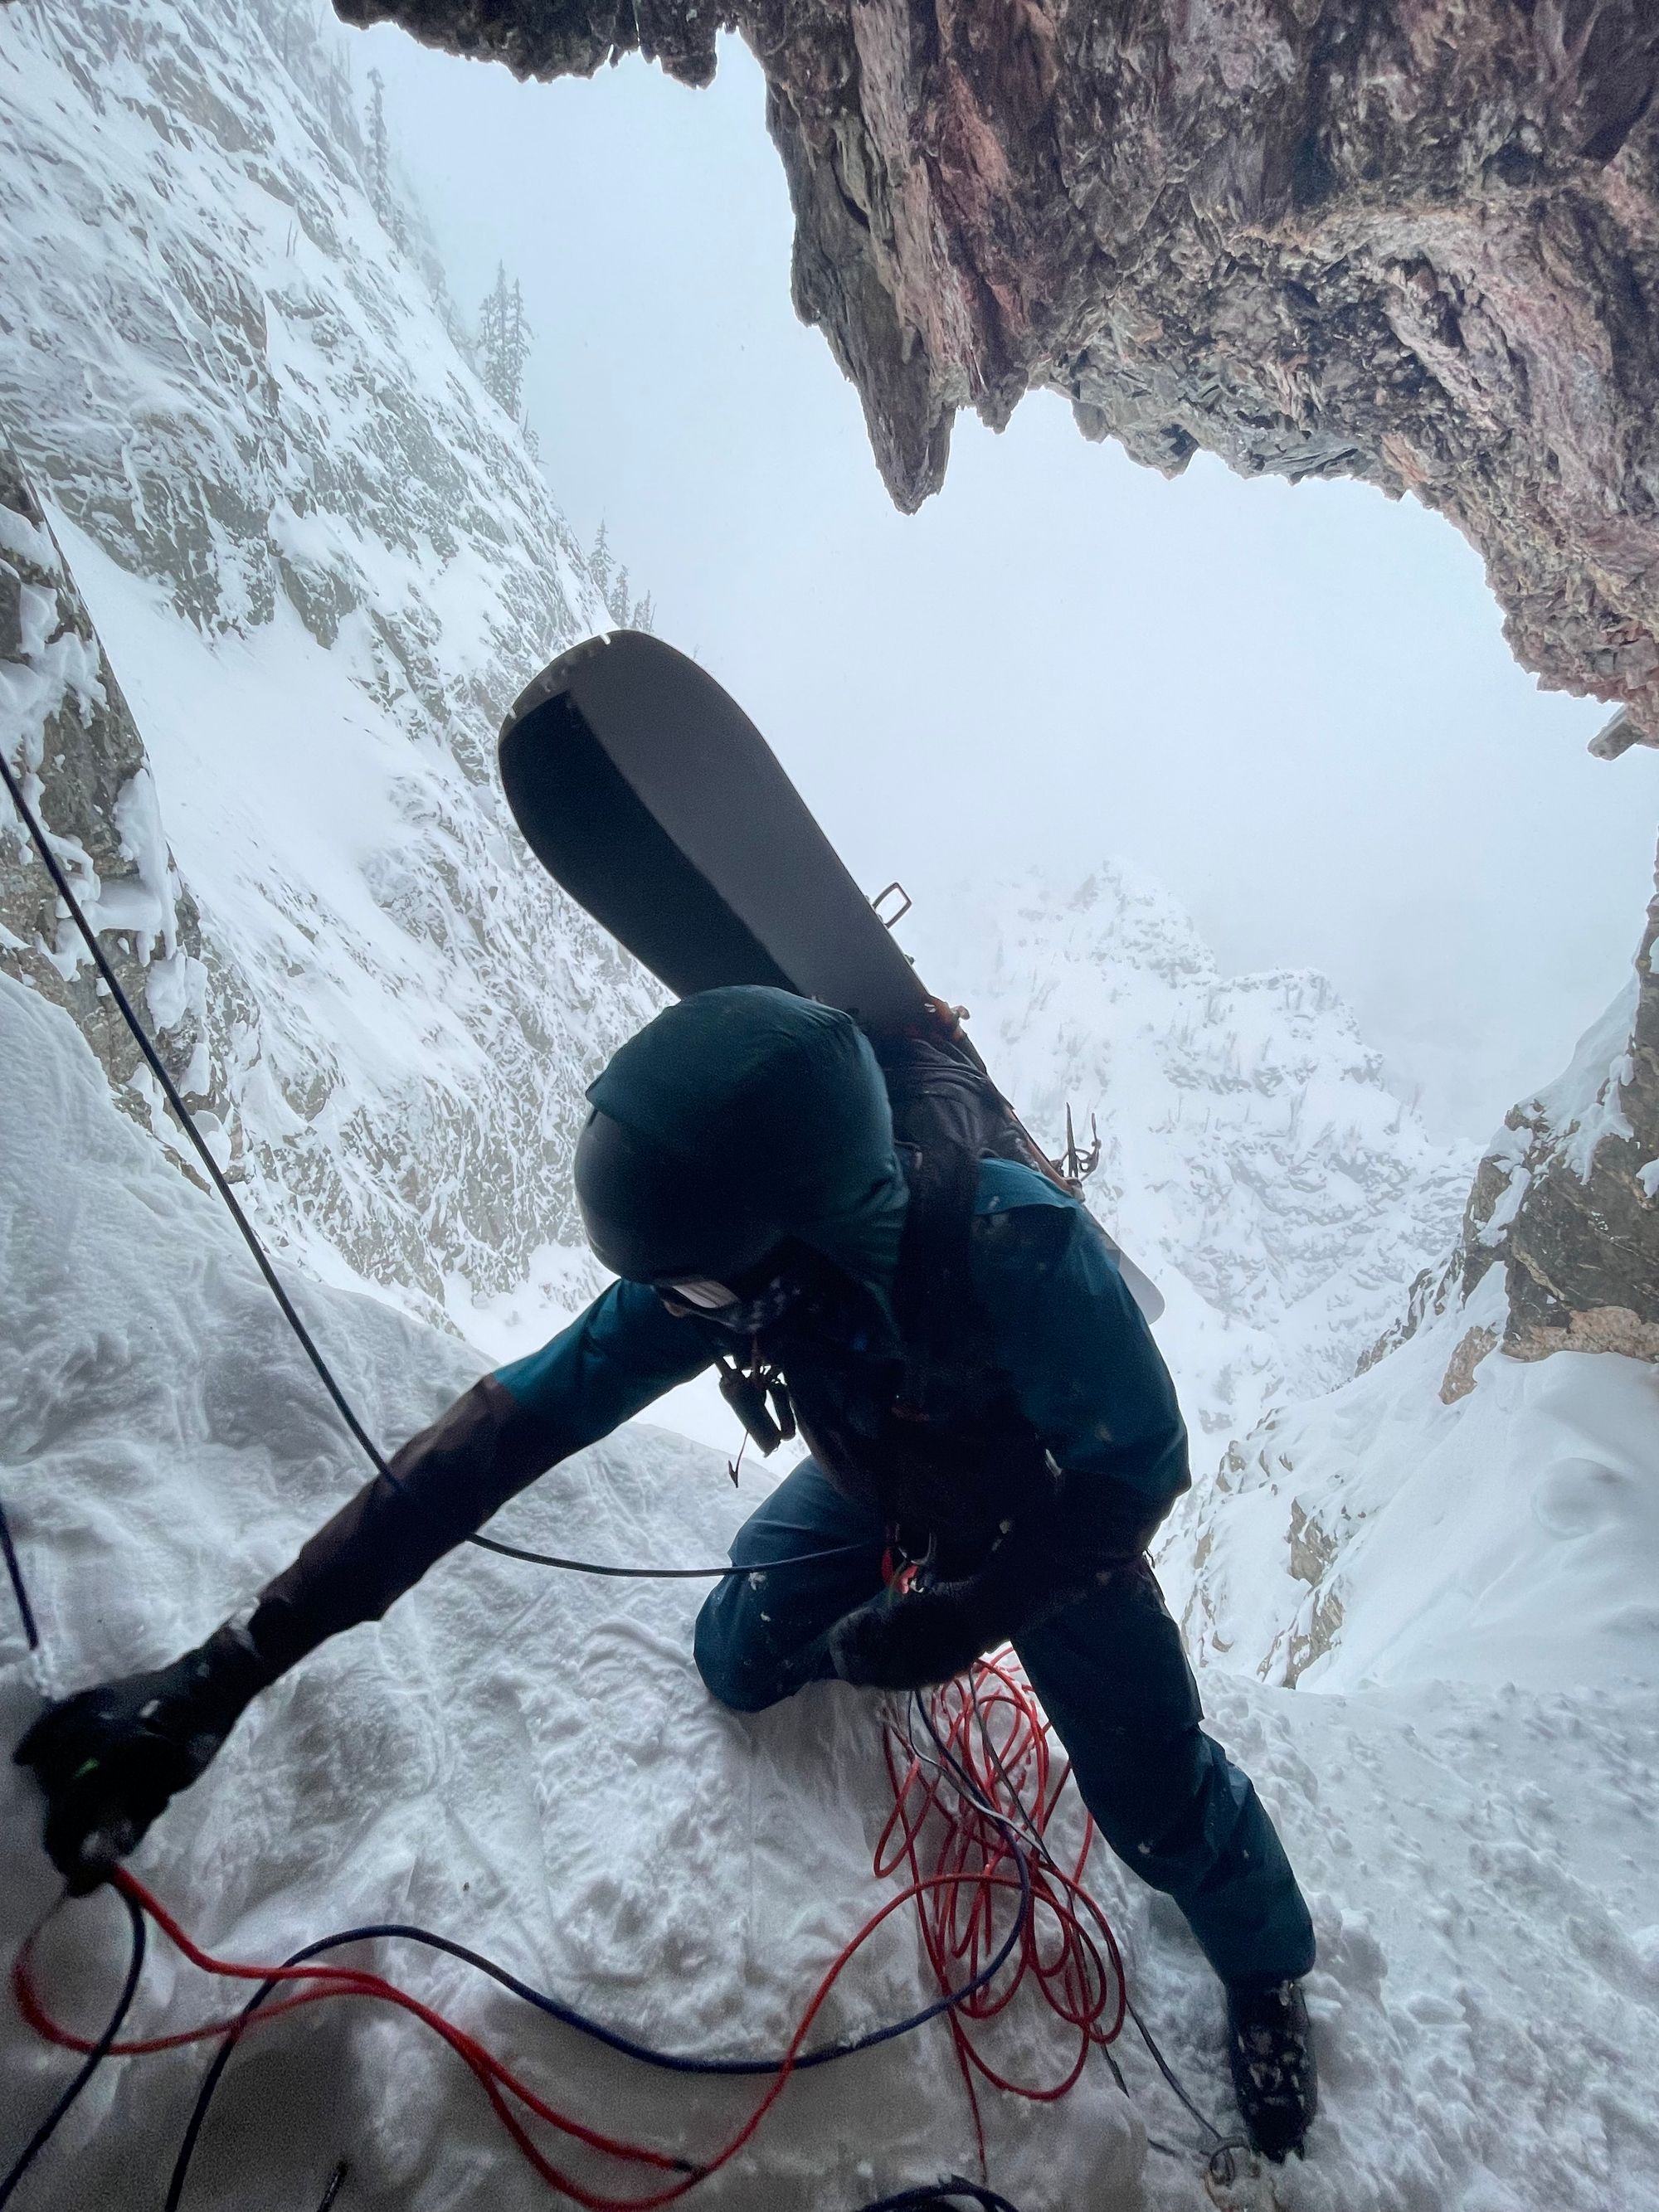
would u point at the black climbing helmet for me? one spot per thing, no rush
(736, 1119)
(653, 1218)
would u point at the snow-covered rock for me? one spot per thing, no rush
(1567, 1198)
(69, 740)
(1393, 1531)
(1483, 1500)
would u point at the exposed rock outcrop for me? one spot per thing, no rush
(1568, 1199)
(1415, 241)
(1564, 1207)
(1449, 1421)
(68, 736)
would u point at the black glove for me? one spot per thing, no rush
(911, 1639)
(110, 1759)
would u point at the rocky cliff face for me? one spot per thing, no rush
(321, 560)
(1415, 241)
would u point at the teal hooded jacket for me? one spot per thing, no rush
(786, 1094)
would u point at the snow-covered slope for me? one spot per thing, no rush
(529, 1764)
(1252, 1158)
(1484, 1501)
(321, 560)
(1383, 1534)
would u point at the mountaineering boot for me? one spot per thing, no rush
(1274, 2077)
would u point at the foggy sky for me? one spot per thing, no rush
(1293, 704)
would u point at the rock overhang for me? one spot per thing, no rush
(1412, 241)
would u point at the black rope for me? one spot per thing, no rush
(950, 2190)
(18, 1586)
(336, 2181)
(94, 2059)
(662, 1574)
(568, 2016)
(261, 1260)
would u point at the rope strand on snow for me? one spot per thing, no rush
(976, 1851)
(951, 2190)
(989, 1823)
(18, 1586)
(96, 2052)
(500, 2083)
(979, 1810)
(984, 1838)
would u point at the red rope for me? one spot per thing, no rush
(994, 1731)
(998, 1736)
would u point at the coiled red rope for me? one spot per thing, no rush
(991, 1793)
(967, 1827)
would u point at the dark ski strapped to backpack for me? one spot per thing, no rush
(655, 803)
(947, 1116)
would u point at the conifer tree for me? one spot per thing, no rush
(598, 563)
(379, 150)
(503, 343)
(518, 350)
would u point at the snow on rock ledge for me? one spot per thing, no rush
(1483, 1500)
(1383, 1534)
(1567, 1200)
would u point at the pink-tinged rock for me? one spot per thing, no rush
(1415, 241)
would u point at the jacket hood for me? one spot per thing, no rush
(780, 1097)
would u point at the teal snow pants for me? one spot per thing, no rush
(1115, 1682)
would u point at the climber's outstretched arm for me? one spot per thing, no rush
(110, 1759)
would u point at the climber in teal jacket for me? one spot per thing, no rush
(993, 1440)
